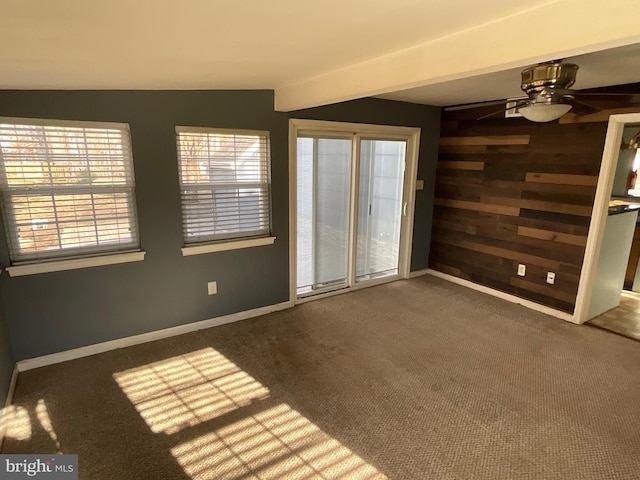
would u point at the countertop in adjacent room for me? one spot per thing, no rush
(623, 204)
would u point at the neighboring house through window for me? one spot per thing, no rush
(67, 189)
(224, 183)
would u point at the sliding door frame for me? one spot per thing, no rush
(358, 131)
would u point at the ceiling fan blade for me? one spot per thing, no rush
(493, 114)
(632, 97)
(604, 94)
(580, 107)
(511, 105)
(465, 106)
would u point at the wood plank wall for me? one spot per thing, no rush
(510, 191)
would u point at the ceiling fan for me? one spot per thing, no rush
(549, 95)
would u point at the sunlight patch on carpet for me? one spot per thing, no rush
(186, 390)
(15, 423)
(175, 394)
(274, 444)
(45, 422)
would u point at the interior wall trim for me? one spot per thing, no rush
(37, 362)
(8, 401)
(505, 296)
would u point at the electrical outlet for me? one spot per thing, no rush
(212, 288)
(522, 270)
(551, 278)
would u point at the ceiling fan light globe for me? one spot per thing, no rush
(546, 112)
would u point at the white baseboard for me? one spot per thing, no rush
(8, 401)
(419, 273)
(505, 296)
(75, 353)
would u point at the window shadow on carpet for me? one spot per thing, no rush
(226, 425)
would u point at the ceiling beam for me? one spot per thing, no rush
(558, 29)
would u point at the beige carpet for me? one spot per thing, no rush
(419, 379)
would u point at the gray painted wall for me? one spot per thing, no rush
(75, 308)
(6, 356)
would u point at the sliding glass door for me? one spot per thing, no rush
(350, 208)
(324, 182)
(380, 205)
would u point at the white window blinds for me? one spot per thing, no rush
(224, 182)
(67, 188)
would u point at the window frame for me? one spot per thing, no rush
(70, 257)
(237, 239)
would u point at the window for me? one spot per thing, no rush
(224, 183)
(67, 189)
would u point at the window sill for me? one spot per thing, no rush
(230, 245)
(73, 264)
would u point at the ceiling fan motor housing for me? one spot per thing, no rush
(548, 82)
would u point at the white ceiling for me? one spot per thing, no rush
(310, 53)
(615, 66)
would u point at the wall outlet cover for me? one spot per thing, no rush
(212, 288)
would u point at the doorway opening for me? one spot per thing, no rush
(613, 247)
